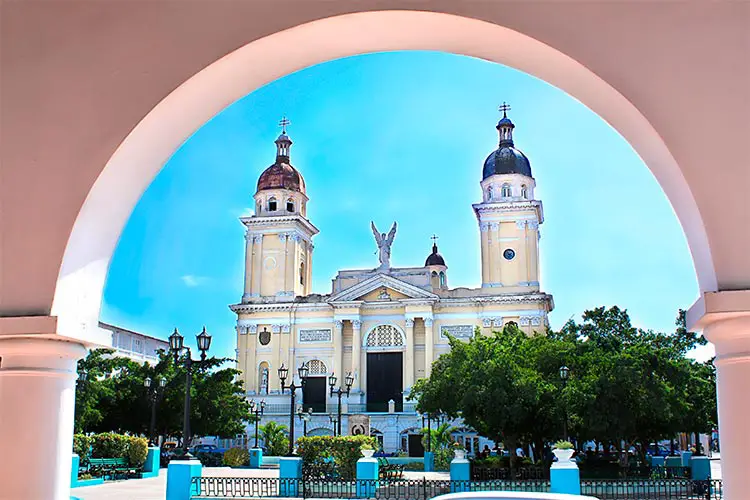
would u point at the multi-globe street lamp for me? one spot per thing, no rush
(154, 393)
(349, 380)
(177, 347)
(257, 410)
(564, 374)
(302, 371)
(305, 417)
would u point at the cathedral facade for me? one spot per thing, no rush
(382, 326)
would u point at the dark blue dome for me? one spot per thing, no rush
(506, 160)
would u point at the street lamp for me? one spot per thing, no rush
(302, 371)
(429, 430)
(349, 380)
(82, 375)
(154, 394)
(257, 410)
(334, 422)
(564, 374)
(177, 347)
(304, 416)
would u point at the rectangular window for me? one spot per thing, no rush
(137, 345)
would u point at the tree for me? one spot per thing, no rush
(113, 398)
(275, 439)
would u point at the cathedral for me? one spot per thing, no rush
(383, 327)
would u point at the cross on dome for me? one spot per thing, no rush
(283, 124)
(434, 238)
(504, 108)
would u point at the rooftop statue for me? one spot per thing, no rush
(384, 246)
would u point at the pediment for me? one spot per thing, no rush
(372, 290)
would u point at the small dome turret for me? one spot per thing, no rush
(434, 259)
(282, 175)
(506, 159)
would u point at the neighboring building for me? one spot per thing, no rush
(134, 345)
(386, 325)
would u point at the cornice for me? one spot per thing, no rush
(255, 220)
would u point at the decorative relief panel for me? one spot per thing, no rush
(316, 335)
(457, 331)
(385, 336)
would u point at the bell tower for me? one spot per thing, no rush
(278, 238)
(509, 216)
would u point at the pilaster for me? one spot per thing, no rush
(356, 354)
(429, 346)
(409, 356)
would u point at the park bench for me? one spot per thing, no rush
(389, 470)
(110, 467)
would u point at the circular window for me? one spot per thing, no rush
(509, 253)
(265, 337)
(269, 263)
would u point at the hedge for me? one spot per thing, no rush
(236, 457)
(81, 445)
(111, 445)
(345, 451)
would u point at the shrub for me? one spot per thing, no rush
(274, 438)
(414, 466)
(443, 459)
(208, 459)
(345, 451)
(236, 457)
(81, 445)
(137, 451)
(109, 445)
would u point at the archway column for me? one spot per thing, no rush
(37, 412)
(725, 320)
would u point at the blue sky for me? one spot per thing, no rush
(400, 136)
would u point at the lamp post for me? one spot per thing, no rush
(283, 372)
(429, 430)
(564, 374)
(304, 416)
(334, 422)
(349, 380)
(257, 410)
(177, 347)
(155, 394)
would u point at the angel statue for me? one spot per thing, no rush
(384, 245)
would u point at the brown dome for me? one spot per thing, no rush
(281, 175)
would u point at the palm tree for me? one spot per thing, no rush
(440, 437)
(274, 438)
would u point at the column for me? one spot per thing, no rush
(731, 337)
(37, 411)
(533, 242)
(409, 357)
(484, 229)
(429, 346)
(523, 252)
(338, 349)
(356, 353)
(249, 239)
(284, 272)
(251, 343)
(257, 264)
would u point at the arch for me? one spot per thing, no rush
(263, 377)
(320, 431)
(506, 191)
(272, 204)
(290, 205)
(301, 273)
(316, 367)
(384, 337)
(442, 279)
(489, 193)
(151, 142)
(524, 192)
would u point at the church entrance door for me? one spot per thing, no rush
(314, 394)
(384, 381)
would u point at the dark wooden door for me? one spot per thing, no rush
(415, 445)
(314, 394)
(384, 380)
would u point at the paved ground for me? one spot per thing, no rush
(154, 488)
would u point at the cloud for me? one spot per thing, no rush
(192, 280)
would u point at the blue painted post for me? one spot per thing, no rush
(290, 475)
(460, 475)
(671, 462)
(685, 457)
(180, 474)
(256, 458)
(74, 470)
(565, 477)
(368, 471)
(151, 467)
(429, 461)
(700, 468)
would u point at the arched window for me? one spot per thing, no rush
(263, 378)
(442, 279)
(272, 204)
(301, 273)
(385, 336)
(524, 192)
(316, 367)
(290, 205)
(489, 193)
(506, 192)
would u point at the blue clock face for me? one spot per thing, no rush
(509, 253)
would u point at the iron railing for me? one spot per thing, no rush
(481, 473)
(653, 489)
(424, 489)
(614, 471)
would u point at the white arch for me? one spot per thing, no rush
(150, 144)
(371, 332)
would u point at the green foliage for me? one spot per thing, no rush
(81, 445)
(624, 383)
(563, 445)
(137, 451)
(236, 457)
(274, 438)
(209, 459)
(414, 466)
(113, 397)
(345, 451)
(440, 436)
(443, 459)
(110, 445)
